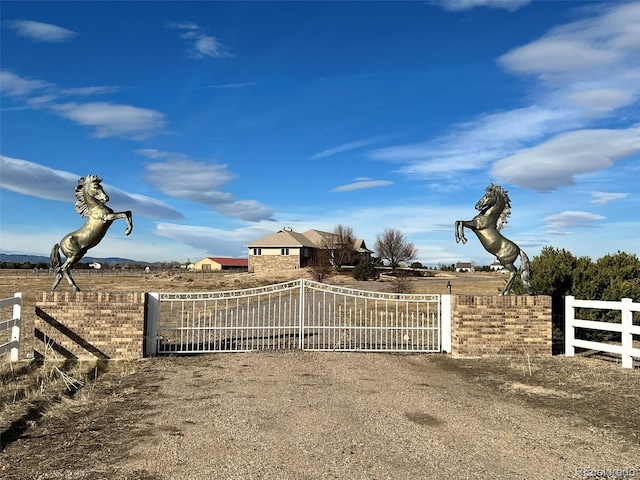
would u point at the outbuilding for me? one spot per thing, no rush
(210, 264)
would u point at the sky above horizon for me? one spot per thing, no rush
(218, 123)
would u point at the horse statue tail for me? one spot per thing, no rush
(524, 272)
(56, 261)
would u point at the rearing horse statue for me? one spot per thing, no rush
(90, 203)
(495, 208)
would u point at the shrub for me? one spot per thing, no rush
(365, 270)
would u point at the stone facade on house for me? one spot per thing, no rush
(275, 263)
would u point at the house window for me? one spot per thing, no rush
(284, 251)
(257, 251)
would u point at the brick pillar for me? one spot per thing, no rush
(495, 325)
(90, 325)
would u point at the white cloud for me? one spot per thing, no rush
(345, 147)
(200, 44)
(231, 85)
(560, 223)
(214, 241)
(600, 101)
(248, 210)
(362, 183)
(113, 120)
(459, 5)
(208, 46)
(181, 177)
(41, 32)
(557, 161)
(84, 91)
(602, 198)
(13, 85)
(591, 63)
(586, 69)
(33, 179)
(475, 144)
(108, 119)
(553, 55)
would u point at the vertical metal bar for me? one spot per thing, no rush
(280, 319)
(182, 343)
(301, 316)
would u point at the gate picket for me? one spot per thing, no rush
(298, 314)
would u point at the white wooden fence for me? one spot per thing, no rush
(626, 328)
(14, 324)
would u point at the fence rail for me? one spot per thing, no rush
(13, 344)
(626, 328)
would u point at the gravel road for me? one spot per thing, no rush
(303, 415)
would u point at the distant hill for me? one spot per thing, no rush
(6, 257)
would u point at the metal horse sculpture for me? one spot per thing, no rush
(495, 208)
(90, 203)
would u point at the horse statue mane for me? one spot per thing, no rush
(81, 206)
(506, 211)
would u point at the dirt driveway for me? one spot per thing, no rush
(305, 415)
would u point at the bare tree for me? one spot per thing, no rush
(401, 284)
(342, 246)
(392, 246)
(320, 264)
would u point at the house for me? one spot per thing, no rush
(287, 249)
(465, 267)
(497, 267)
(323, 239)
(209, 264)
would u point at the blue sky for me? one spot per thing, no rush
(218, 123)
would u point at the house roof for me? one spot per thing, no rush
(464, 265)
(311, 238)
(360, 247)
(283, 238)
(230, 262)
(318, 237)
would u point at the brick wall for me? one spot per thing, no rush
(494, 325)
(90, 325)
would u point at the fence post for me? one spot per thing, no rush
(569, 330)
(627, 336)
(445, 325)
(15, 330)
(151, 321)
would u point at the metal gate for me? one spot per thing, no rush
(299, 314)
